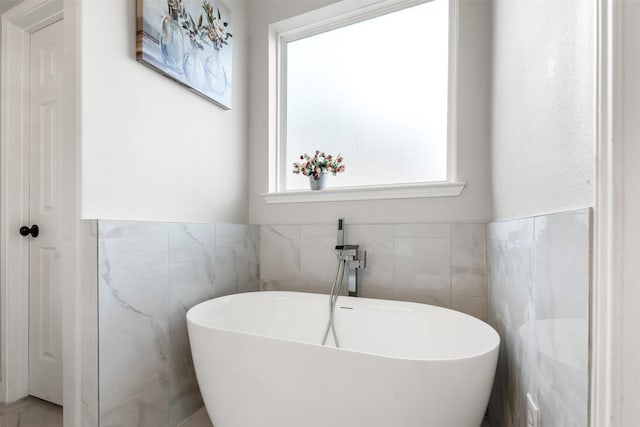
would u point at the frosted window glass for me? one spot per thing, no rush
(375, 91)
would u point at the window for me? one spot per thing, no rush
(372, 85)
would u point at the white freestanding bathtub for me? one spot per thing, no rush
(259, 363)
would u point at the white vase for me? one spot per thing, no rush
(216, 74)
(171, 44)
(194, 68)
(318, 184)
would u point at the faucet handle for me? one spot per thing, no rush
(359, 262)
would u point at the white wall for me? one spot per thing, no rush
(151, 149)
(629, 291)
(473, 131)
(542, 150)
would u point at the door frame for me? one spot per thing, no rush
(17, 25)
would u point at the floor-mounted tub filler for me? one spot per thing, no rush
(259, 362)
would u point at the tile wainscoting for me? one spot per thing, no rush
(140, 278)
(89, 348)
(440, 264)
(529, 278)
(149, 275)
(539, 282)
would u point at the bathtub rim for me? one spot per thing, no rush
(476, 355)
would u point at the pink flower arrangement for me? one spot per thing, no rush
(319, 164)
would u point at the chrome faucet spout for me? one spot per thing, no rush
(350, 260)
(353, 257)
(346, 247)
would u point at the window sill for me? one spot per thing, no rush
(377, 192)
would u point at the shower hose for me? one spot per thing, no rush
(333, 297)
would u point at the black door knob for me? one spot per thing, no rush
(34, 230)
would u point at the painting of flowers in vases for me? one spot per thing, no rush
(190, 42)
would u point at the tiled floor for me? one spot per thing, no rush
(30, 412)
(33, 412)
(199, 419)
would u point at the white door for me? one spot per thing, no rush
(45, 194)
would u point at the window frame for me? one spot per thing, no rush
(326, 19)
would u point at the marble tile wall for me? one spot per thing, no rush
(150, 274)
(539, 281)
(89, 284)
(442, 264)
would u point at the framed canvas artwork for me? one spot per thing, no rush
(189, 41)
